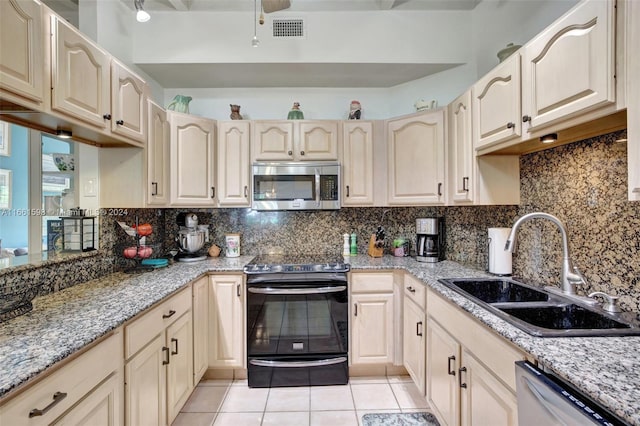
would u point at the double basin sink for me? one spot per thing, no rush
(542, 313)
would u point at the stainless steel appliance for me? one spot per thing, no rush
(297, 321)
(430, 239)
(543, 399)
(191, 237)
(296, 186)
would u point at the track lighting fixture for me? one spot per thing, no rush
(141, 14)
(255, 42)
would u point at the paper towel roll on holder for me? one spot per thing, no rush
(498, 259)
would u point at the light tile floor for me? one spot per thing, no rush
(222, 403)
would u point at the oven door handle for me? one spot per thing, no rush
(298, 364)
(304, 290)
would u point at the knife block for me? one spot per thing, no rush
(373, 250)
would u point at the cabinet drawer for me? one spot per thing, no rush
(371, 282)
(72, 382)
(415, 290)
(142, 330)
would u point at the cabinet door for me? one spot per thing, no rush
(180, 367)
(146, 385)
(416, 159)
(102, 407)
(569, 67)
(192, 160)
(484, 399)
(21, 49)
(443, 360)
(357, 163)
(461, 153)
(128, 103)
(413, 346)
(226, 317)
(317, 140)
(200, 328)
(372, 329)
(272, 140)
(496, 104)
(633, 99)
(80, 75)
(157, 157)
(233, 164)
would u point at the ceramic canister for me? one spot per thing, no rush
(232, 245)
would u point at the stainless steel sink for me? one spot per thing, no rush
(540, 313)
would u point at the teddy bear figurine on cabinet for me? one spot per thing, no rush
(235, 112)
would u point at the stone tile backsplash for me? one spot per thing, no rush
(583, 183)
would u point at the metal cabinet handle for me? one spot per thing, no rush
(419, 328)
(246, 191)
(526, 118)
(238, 290)
(462, 370)
(120, 122)
(154, 186)
(57, 397)
(451, 371)
(175, 342)
(439, 189)
(169, 315)
(465, 184)
(301, 152)
(289, 152)
(166, 353)
(355, 309)
(347, 190)
(411, 289)
(213, 192)
(511, 125)
(107, 116)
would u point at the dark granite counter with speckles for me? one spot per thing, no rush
(606, 369)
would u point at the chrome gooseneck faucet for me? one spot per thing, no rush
(570, 276)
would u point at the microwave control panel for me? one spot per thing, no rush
(329, 187)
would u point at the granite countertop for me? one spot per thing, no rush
(604, 368)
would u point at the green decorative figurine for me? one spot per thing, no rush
(295, 113)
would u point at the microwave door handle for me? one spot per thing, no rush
(318, 187)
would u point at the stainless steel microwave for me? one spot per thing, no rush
(296, 186)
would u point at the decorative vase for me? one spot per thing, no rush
(180, 104)
(295, 113)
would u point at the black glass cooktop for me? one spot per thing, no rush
(288, 263)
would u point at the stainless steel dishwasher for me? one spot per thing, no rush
(544, 399)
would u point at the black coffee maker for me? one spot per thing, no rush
(430, 239)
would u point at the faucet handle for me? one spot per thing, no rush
(576, 277)
(611, 302)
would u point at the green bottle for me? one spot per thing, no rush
(354, 244)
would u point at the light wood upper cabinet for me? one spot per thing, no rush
(416, 159)
(80, 76)
(461, 154)
(226, 319)
(234, 170)
(357, 163)
(128, 103)
(569, 68)
(22, 50)
(192, 157)
(496, 104)
(633, 98)
(297, 140)
(317, 140)
(157, 156)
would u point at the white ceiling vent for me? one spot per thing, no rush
(288, 28)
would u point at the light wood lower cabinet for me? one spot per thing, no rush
(87, 390)
(414, 338)
(200, 328)
(226, 320)
(470, 370)
(159, 377)
(372, 318)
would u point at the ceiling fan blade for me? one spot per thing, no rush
(275, 5)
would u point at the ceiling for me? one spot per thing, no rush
(210, 75)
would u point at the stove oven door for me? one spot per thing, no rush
(297, 331)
